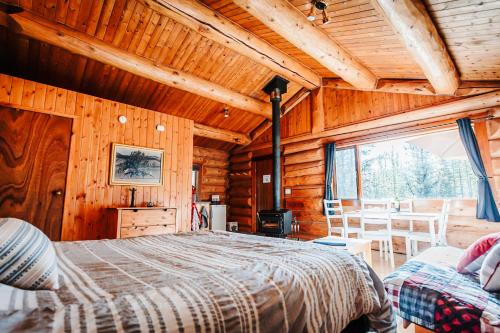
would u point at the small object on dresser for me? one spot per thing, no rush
(150, 204)
(132, 197)
(232, 226)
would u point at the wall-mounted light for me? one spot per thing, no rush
(226, 112)
(122, 119)
(160, 128)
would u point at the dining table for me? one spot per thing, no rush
(428, 218)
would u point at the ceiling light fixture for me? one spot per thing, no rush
(320, 5)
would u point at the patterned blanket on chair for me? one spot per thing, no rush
(432, 294)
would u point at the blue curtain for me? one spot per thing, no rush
(329, 164)
(486, 206)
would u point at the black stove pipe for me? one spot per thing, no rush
(276, 100)
(275, 88)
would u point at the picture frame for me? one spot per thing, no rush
(135, 165)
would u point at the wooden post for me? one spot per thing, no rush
(317, 111)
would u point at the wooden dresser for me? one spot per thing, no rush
(141, 221)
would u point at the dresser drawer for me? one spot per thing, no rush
(145, 218)
(147, 230)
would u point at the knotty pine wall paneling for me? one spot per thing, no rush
(95, 127)
(214, 169)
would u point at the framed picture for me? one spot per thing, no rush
(132, 165)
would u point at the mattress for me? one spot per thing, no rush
(429, 292)
(200, 282)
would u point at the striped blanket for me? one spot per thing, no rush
(200, 282)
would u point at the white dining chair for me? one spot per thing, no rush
(376, 225)
(334, 211)
(430, 235)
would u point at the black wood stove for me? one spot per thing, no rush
(276, 222)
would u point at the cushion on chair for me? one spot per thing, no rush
(27, 256)
(473, 257)
(489, 275)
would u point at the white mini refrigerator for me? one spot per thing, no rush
(218, 217)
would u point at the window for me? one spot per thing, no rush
(403, 169)
(195, 177)
(346, 173)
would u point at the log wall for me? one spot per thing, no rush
(214, 169)
(95, 127)
(304, 162)
(241, 192)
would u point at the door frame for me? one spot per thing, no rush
(75, 126)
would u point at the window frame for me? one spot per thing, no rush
(358, 174)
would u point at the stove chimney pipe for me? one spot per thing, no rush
(275, 88)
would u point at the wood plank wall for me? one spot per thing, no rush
(304, 162)
(214, 169)
(95, 127)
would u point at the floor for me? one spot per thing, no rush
(383, 268)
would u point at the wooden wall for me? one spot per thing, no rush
(214, 169)
(242, 205)
(304, 161)
(95, 127)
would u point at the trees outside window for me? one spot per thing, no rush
(398, 169)
(346, 173)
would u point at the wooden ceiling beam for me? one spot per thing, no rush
(79, 43)
(220, 134)
(289, 22)
(416, 87)
(219, 29)
(412, 23)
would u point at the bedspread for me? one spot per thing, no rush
(200, 282)
(428, 291)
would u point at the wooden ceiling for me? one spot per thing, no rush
(469, 28)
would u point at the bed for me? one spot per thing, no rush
(428, 291)
(201, 282)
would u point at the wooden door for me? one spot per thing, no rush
(264, 191)
(34, 151)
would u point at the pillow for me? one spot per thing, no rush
(27, 256)
(473, 257)
(489, 275)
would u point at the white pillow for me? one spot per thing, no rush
(489, 275)
(27, 256)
